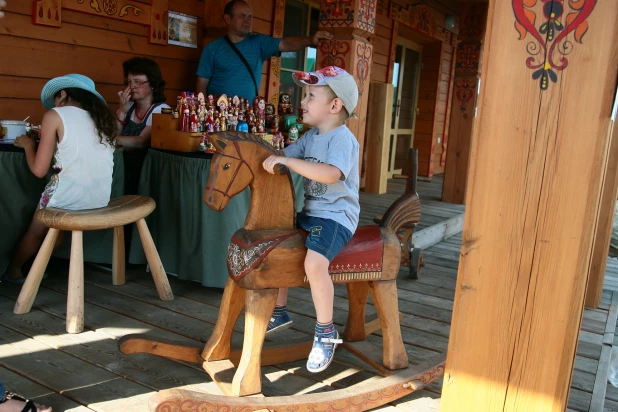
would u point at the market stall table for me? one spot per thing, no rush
(191, 238)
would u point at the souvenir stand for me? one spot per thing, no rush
(191, 238)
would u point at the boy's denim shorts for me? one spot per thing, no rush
(325, 236)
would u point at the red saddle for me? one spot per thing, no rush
(362, 255)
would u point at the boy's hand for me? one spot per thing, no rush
(270, 163)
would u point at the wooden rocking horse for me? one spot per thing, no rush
(268, 254)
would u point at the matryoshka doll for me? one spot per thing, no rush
(211, 102)
(194, 120)
(269, 112)
(222, 103)
(261, 108)
(209, 122)
(293, 133)
(185, 120)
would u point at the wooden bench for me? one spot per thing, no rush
(118, 213)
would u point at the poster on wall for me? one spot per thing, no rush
(182, 29)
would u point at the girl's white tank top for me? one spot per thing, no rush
(85, 181)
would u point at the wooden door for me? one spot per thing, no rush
(406, 73)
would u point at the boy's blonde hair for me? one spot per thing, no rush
(330, 93)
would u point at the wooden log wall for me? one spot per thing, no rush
(463, 103)
(87, 44)
(435, 90)
(435, 86)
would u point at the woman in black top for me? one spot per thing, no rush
(142, 97)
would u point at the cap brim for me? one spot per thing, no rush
(303, 83)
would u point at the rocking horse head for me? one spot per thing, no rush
(236, 164)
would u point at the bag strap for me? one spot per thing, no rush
(233, 46)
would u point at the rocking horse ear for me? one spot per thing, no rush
(219, 144)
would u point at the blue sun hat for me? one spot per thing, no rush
(78, 81)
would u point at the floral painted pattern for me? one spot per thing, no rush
(51, 187)
(550, 45)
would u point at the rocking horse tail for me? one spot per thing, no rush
(404, 211)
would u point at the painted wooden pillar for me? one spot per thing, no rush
(274, 67)
(463, 103)
(538, 149)
(352, 22)
(605, 218)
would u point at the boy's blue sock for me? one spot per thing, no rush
(279, 320)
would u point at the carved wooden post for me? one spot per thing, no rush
(538, 150)
(605, 218)
(473, 18)
(274, 72)
(352, 22)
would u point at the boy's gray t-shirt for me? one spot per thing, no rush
(338, 201)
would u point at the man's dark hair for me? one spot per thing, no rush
(229, 7)
(150, 69)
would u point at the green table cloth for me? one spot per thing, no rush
(191, 238)
(20, 192)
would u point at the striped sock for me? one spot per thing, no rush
(279, 310)
(324, 329)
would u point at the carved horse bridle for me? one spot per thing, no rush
(227, 166)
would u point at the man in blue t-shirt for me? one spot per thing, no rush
(221, 70)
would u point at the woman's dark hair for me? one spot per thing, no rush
(103, 118)
(150, 69)
(229, 7)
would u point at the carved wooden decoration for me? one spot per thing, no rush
(421, 18)
(272, 87)
(47, 12)
(154, 15)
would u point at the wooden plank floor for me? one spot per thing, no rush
(434, 210)
(86, 372)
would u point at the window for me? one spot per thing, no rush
(301, 19)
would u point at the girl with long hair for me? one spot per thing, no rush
(79, 132)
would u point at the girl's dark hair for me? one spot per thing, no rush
(150, 69)
(103, 118)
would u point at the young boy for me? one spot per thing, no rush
(327, 157)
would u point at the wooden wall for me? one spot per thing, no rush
(382, 43)
(436, 81)
(87, 44)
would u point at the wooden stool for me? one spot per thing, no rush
(119, 212)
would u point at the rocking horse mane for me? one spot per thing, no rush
(255, 138)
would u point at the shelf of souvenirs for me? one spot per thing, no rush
(186, 127)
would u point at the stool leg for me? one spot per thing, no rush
(118, 268)
(33, 281)
(75, 298)
(156, 267)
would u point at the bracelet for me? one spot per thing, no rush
(122, 122)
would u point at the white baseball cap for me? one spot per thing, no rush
(340, 81)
